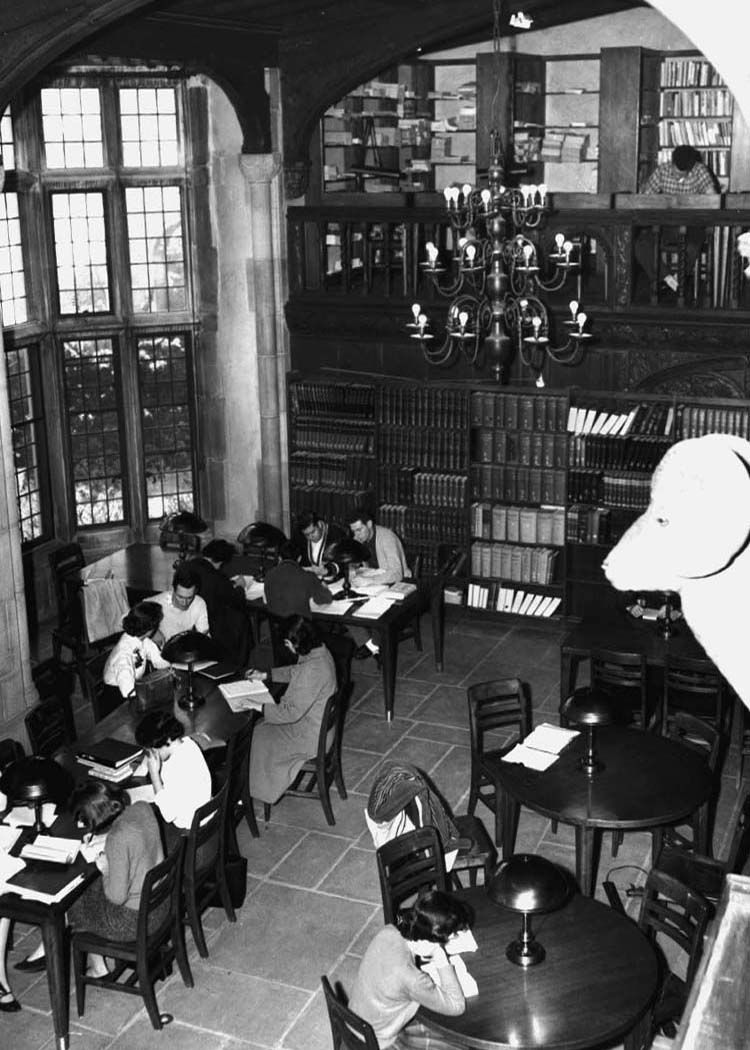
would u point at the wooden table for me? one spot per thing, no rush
(593, 988)
(647, 781)
(214, 718)
(147, 569)
(627, 634)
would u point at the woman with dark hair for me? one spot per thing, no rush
(288, 733)
(133, 652)
(390, 986)
(177, 769)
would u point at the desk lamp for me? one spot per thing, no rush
(32, 781)
(186, 648)
(344, 554)
(177, 527)
(530, 885)
(263, 542)
(590, 708)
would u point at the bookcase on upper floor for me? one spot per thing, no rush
(534, 487)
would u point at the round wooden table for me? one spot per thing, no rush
(593, 988)
(647, 781)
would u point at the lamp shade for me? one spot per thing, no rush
(347, 552)
(33, 780)
(185, 521)
(589, 707)
(261, 536)
(529, 884)
(189, 646)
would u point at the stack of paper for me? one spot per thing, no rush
(245, 695)
(373, 608)
(541, 747)
(52, 848)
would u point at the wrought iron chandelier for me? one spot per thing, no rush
(497, 274)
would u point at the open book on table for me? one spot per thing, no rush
(541, 747)
(245, 695)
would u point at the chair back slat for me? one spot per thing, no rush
(495, 706)
(672, 909)
(159, 905)
(50, 726)
(623, 676)
(409, 864)
(739, 848)
(694, 685)
(205, 838)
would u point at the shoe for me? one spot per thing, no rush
(12, 1005)
(362, 652)
(31, 965)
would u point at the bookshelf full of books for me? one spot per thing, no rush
(518, 474)
(331, 446)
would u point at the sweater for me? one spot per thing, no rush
(390, 987)
(132, 848)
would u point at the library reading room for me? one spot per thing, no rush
(376, 429)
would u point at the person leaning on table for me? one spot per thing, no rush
(133, 652)
(391, 986)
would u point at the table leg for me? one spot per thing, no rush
(568, 672)
(389, 655)
(56, 952)
(507, 813)
(585, 840)
(437, 615)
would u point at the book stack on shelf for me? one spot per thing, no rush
(514, 600)
(695, 420)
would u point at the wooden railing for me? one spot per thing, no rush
(629, 245)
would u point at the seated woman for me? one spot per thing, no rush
(134, 652)
(110, 904)
(133, 846)
(390, 986)
(288, 734)
(177, 769)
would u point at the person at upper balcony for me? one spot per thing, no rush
(684, 173)
(314, 538)
(386, 564)
(184, 609)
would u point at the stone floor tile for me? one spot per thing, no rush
(440, 733)
(310, 860)
(354, 875)
(373, 732)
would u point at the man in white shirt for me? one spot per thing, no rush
(184, 609)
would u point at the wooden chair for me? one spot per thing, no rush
(50, 726)
(703, 874)
(696, 686)
(413, 629)
(408, 864)
(743, 729)
(672, 910)
(235, 773)
(51, 678)
(707, 740)
(317, 774)
(624, 677)
(498, 707)
(348, 1030)
(204, 870)
(481, 855)
(159, 941)
(91, 675)
(65, 564)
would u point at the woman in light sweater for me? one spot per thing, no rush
(390, 986)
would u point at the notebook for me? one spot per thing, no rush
(110, 753)
(218, 670)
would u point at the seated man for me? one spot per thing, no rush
(184, 609)
(227, 608)
(316, 536)
(386, 564)
(289, 588)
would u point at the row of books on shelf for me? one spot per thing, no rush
(689, 72)
(695, 133)
(327, 438)
(518, 411)
(624, 453)
(560, 147)
(429, 447)
(695, 420)
(425, 406)
(646, 417)
(588, 524)
(396, 484)
(313, 468)
(616, 488)
(424, 524)
(311, 397)
(439, 490)
(331, 504)
(695, 104)
(507, 561)
(530, 448)
(516, 484)
(511, 600)
(500, 522)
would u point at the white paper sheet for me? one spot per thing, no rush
(335, 608)
(373, 608)
(24, 817)
(551, 738)
(530, 757)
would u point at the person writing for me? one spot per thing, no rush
(683, 173)
(177, 770)
(289, 589)
(386, 564)
(317, 536)
(391, 985)
(183, 609)
(132, 654)
(288, 734)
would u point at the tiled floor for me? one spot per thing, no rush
(313, 897)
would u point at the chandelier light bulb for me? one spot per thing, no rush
(523, 303)
(432, 253)
(559, 240)
(582, 319)
(448, 193)
(486, 197)
(422, 322)
(463, 317)
(542, 187)
(533, 188)
(416, 310)
(471, 251)
(573, 304)
(567, 248)
(540, 381)
(466, 190)
(528, 253)
(536, 324)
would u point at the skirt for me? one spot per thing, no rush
(94, 913)
(417, 1036)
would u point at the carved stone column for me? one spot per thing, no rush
(262, 173)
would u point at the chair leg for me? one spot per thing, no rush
(473, 795)
(146, 983)
(618, 838)
(418, 634)
(180, 953)
(79, 966)
(247, 804)
(266, 812)
(324, 789)
(196, 925)
(338, 779)
(224, 895)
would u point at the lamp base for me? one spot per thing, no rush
(525, 953)
(190, 702)
(591, 766)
